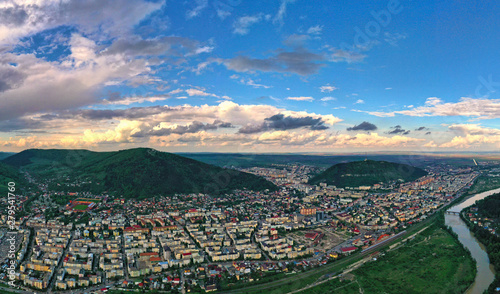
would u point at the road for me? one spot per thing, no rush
(333, 267)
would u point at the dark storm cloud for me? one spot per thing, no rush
(364, 126)
(129, 113)
(13, 16)
(398, 130)
(428, 133)
(20, 124)
(194, 127)
(10, 77)
(300, 61)
(252, 129)
(282, 122)
(421, 129)
(149, 47)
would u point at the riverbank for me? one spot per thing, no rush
(485, 273)
(488, 209)
(431, 262)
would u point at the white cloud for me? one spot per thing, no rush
(222, 14)
(200, 6)
(339, 55)
(327, 88)
(469, 141)
(315, 30)
(480, 108)
(103, 18)
(279, 17)
(473, 129)
(302, 98)
(121, 134)
(328, 98)
(242, 25)
(252, 83)
(360, 101)
(130, 100)
(196, 92)
(204, 49)
(72, 83)
(176, 91)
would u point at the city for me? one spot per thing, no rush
(248, 147)
(197, 241)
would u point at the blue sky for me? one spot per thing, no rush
(250, 76)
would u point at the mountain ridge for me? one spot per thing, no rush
(367, 173)
(137, 172)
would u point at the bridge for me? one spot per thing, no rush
(452, 212)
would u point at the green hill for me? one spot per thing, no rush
(133, 173)
(9, 174)
(367, 173)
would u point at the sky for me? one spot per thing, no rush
(250, 76)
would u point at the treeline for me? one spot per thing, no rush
(490, 208)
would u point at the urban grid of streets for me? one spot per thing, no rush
(199, 241)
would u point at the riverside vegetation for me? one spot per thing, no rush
(433, 262)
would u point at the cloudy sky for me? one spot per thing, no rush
(250, 76)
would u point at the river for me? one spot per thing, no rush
(485, 271)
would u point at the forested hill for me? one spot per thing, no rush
(367, 173)
(10, 174)
(140, 172)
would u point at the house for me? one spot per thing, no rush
(348, 250)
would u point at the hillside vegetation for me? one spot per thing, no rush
(367, 173)
(489, 207)
(433, 262)
(9, 174)
(137, 172)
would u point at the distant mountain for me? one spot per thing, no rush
(245, 160)
(134, 173)
(6, 154)
(367, 173)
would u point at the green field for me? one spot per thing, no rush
(484, 183)
(81, 207)
(434, 262)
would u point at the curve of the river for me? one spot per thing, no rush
(485, 271)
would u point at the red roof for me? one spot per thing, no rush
(348, 249)
(382, 237)
(311, 235)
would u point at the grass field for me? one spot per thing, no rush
(434, 262)
(484, 183)
(80, 207)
